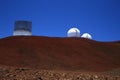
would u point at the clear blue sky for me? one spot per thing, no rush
(100, 18)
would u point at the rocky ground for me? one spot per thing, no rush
(47, 58)
(15, 73)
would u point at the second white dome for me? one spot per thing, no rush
(86, 35)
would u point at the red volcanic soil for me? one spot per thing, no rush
(59, 53)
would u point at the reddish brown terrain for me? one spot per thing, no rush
(58, 54)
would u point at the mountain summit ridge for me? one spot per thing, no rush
(54, 53)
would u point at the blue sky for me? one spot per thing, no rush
(100, 18)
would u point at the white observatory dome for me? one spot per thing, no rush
(86, 35)
(22, 28)
(73, 32)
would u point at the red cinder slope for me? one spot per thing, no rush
(59, 53)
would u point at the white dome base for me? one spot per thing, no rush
(21, 33)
